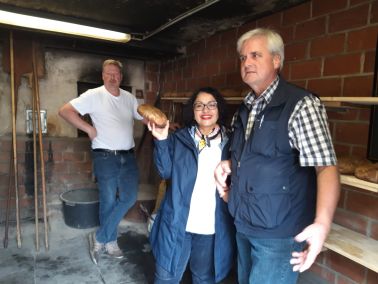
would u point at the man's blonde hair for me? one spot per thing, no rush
(112, 62)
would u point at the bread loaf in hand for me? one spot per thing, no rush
(153, 114)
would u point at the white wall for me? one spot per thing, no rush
(59, 85)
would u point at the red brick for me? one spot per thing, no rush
(369, 62)
(229, 65)
(228, 37)
(372, 277)
(346, 267)
(272, 21)
(218, 81)
(287, 33)
(300, 83)
(359, 86)
(374, 230)
(327, 45)
(352, 133)
(342, 149)
(374, 12)
(296, 14)
(187, 72)
(177, 75)
(364, 114)
(152, 67)
(306, 69)
(233, 79)
(212, 41)
(310, 29)
(324, 272)
(212, 68)
(362, 39)
(321, 7)
(216, 54)
(285, 72)
(245, 28)
(341, 279)
(342, 64)
(352, 221)
(325, 87)
(196, 47)
(296, 51)
(181, 85)
(359, 150)
(348, 114)
(349, 19)
(363, 203)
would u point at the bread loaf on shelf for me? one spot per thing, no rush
(348, 164)
(367, 172)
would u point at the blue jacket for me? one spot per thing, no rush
(271, 195)
(176, 159)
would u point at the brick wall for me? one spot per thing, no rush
(330, 50)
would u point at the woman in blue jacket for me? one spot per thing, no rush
(193, 224)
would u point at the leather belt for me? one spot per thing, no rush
(115, 152)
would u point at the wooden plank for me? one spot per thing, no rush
(353, 181)
(354, 100)
(354, 246)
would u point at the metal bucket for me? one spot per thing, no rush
(81, 208)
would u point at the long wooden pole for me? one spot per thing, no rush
(9, 197)
(34, 117)
(41, 156)
(14, 139)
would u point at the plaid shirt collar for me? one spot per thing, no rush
(267, 95)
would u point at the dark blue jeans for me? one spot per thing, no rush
(114, 173)
(199, 250)
(266, 261)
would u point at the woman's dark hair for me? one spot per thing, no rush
(188, 115)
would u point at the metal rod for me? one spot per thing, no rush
(14, 138)
(179, 18)
(41, 156)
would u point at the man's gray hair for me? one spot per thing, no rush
(275, 42)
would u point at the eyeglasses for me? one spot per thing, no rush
(200, 106)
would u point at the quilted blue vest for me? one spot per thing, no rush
(271, 195)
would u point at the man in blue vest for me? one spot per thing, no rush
(284, 179)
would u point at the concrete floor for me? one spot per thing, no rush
(68, 261)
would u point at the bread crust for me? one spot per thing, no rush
(367, 172)
(153, 114)
(348, 164)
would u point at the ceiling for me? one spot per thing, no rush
(159, 28)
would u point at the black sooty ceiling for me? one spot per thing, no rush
(159, 28)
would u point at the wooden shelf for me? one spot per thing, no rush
(328, 101)
(348, 101)
(354, 246)
(353, 181)
(184, 99)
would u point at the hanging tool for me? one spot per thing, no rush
(14, 139)
(41, 156)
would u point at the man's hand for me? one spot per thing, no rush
(158, 132)
(315, 235)
(222, 171)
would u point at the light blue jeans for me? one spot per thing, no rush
(115, 174)
(266, 261)
(198, 250)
